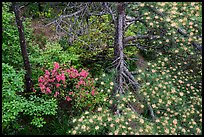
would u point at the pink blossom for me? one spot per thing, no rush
(58, 78)
(47, 72)
(62, 77)
(45, 83)
(81, 82)
(48, 90)
(57, 85)
(70, 93)
(92, 92)
(56, 65)
(47, 76)
(77, 86)
(53, 72)
(42, 87)
(68, 98)
(84, 73)
(40, 79)
(74, 70)
(68, 70)
(40, 84)
(73, 73)
(52, 80)
(56, 93)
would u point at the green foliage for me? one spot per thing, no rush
(38, 107)
(173, 88)
(104, 122)
(11, 52)
(55, 125)
(96, 97)
(94, 42)
(96, 39)
(11, 104)
(46, 14)
(38, 121)
(33, 10)
(53, 52)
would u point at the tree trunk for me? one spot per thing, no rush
(116, 41)
(123, 76)
(120, 30)
(28, 80)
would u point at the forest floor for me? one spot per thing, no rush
(40, 29)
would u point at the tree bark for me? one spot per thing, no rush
(123, 76)
(28, 80)
(121, 18)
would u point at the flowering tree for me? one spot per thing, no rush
(162, 28)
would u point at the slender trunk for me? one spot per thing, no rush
(28, 81)
(123, 76)
(120, 29)
(115, 41)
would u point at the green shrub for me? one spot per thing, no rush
(77, 87)
(38, 108)
(11, 52)
(14, 104)
(11, 103)
(53, 52)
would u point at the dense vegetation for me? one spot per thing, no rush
(76, 62)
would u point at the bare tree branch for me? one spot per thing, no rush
(111, 12)
(67, 16)
(131, 38)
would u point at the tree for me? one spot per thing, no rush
(28, 80)
(125, 16)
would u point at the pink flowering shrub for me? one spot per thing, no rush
(71, 85)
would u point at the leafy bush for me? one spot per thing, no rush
(71, 85)
(11, 52)
(11, 103)
(38, 108)
(53, 52)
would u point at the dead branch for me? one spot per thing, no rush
(131, 38)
